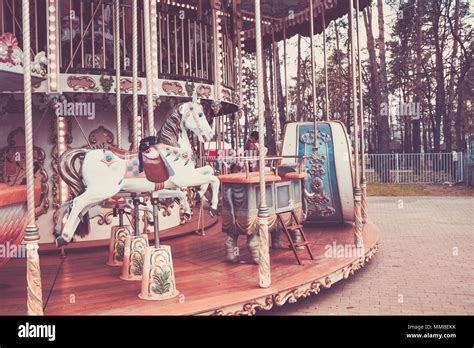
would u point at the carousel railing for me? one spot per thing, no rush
(185, 42)
(184, 47)
(87, 38)
(242, 164)
(87, 35)
(11, 22)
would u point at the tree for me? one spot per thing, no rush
(400, 69)
(279, 87)
(249, 107)
(269, 128)
(418, 72)
(465, 64)
(374, 86)
(383, 122)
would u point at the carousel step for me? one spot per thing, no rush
(299, 244)
(294, 246)
(293, 228)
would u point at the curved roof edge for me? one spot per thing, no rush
(296, 22)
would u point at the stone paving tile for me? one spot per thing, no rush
(424, 264)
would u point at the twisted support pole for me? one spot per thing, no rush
(363, 183)
(135, 119)
(264, 274)
(357, 192)
(286, 72)
(149, 70)
(33, 271)
(118, 96)
(275, 92)
(217, 49)
(239, 113)
(326, 83)
(313, 71)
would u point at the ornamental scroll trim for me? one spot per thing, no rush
(302, 291)
(318, 202)
(12, 55)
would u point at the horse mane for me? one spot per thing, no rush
(169, 132)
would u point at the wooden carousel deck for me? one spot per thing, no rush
(82, 284)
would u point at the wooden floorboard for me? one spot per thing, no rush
(86, 285)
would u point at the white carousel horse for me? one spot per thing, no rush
(106, 173)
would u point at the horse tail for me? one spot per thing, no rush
(71, 175)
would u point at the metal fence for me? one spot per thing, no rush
(429, 168)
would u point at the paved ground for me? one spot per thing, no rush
(424, 264)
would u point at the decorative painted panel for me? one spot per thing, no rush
(321, 189)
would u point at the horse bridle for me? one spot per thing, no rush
(144, 146)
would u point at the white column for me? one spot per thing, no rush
(264, 274)
(33, 272)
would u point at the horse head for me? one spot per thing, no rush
(194, 119)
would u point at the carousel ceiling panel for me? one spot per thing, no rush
(292, 14)
(276, 9)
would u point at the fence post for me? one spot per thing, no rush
(397, 168)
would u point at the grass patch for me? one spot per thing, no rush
(374, 189)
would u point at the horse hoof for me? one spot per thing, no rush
(212, 211)
(60, 241)
(232, 260)
(187, 217)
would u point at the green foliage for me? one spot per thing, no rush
(137, 262)
(162, 283)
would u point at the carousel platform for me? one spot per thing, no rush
(82, 284)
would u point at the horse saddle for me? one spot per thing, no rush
(155, 166)
(121, 153)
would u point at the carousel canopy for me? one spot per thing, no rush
(292, 14)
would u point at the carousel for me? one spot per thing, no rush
(115, 185)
